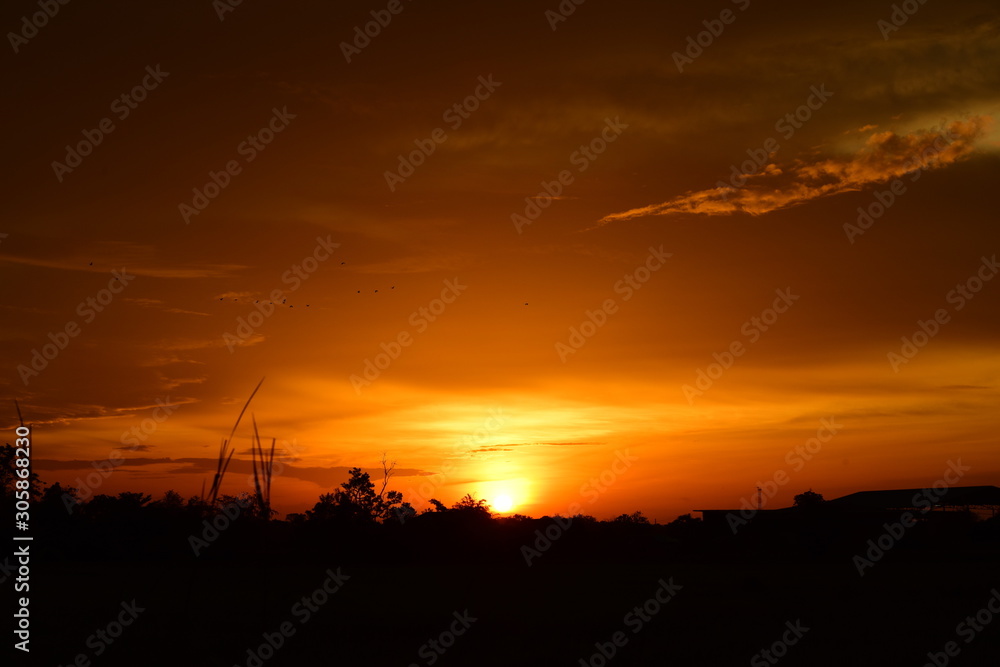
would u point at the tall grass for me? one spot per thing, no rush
(226, 454)
(262, 480)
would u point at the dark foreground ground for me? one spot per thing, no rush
(727, 610)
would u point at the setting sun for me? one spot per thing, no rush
(506, 494)
(502, 504)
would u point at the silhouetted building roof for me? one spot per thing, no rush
(876, 501)
(957, 496)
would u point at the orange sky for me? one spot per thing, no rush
(537, 348)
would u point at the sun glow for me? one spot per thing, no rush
(502, 503)
(505, 496)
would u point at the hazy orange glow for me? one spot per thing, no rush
(522, 363)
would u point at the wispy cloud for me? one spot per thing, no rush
(208, 271)
(79, 413)
(157, 304)
(885, 156)
(136, 448)
(509, 446)
(324, 476)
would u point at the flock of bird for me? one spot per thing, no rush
(284, 302)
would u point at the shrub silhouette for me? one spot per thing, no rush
(357, 502)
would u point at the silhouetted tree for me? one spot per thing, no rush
(808, 499)
(357, 501)
(470, 504)
(58, 502)
(198, 506)
(133, 500)
(325, 508)
(438, 506)
(170, 500)
(634, 518)
(248, 503)
(387, 470)
(126, 505)
(9, 476)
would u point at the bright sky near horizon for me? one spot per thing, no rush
(643, 256)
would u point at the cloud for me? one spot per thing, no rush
(77, 464)
(885, 156)
(208, 271)
(568, 444)
(283, 455)
(966, 386)
(79, 413)
(323, 476)
(173, 383)
(157, 304)
(509, 446)
(143, 302)
(136, 448)
(191, 345)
